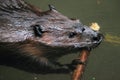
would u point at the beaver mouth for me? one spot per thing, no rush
(91, 45)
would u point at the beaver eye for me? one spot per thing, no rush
(83, 29)
(72, 34)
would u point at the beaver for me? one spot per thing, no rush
(33, 40)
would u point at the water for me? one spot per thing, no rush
(103, 62)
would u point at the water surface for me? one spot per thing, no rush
(103, 62)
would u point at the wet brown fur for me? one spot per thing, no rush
(21, 48)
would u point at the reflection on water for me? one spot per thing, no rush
(103, 62)
(112, 39)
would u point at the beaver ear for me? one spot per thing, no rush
(51, 7)
(37, 30)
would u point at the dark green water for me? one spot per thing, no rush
(104, 61)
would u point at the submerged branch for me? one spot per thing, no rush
(77, 74)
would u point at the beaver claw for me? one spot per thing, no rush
(74, 64)
(77, 61)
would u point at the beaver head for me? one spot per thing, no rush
(56, 30)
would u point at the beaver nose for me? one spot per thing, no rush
(98, 38)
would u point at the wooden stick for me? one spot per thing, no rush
(77, 74)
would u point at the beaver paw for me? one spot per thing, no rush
(74, 64)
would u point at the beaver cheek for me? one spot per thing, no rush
(47, 39)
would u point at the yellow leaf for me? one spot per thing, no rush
(95, 26)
